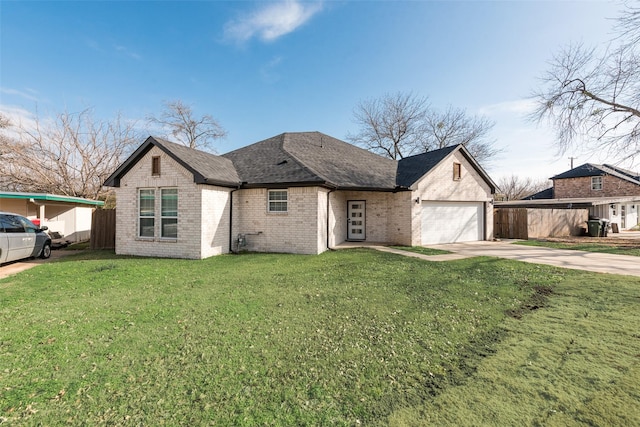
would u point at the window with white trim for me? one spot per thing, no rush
(596, 183)
(278, 201)
(146, 212)
(169, 213)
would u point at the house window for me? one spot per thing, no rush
(457, 171)
(169, 213)
(155, 166)
(278, 200)
(596, 183)
(147, 201)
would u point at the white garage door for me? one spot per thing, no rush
(449, 222)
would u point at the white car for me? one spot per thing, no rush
(20, 238)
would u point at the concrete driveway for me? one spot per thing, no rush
(577, 260)
(15, 267)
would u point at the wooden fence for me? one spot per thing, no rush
(510, 223)
(103, 229)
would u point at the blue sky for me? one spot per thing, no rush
(263, 68)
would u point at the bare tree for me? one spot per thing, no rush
(178, 120)
(453, 126)
(72, 154)
(516, 188)
(593, 100)
(392, 125)
(403, 124)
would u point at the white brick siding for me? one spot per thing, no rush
(204, 212)
(438, 184)
(195, 202)
(387, 216)
(298, 230)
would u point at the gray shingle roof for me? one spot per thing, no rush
(411, 169)
(547, 193)
(298, 158)
(312, 157)
(591, 169)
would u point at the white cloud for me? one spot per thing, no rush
(18, 117)
(272, 21)
(521, 107)
(31, 96)
(269, 71)
(127, 52)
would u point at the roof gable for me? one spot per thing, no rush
(413, 168)
(206, 168)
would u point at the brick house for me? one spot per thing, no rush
(589, 190)
(300, 193)
(619, 190)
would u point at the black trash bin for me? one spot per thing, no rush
(594, 227)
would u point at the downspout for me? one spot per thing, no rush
(328, 197)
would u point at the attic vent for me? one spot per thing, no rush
(282, 162)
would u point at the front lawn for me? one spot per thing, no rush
(610, 246)
(345, 338)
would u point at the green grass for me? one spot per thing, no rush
(421, 250)
(589, 247)
(345, 338)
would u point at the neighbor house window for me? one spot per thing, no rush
(457, 171)
(147, 203)
(155, 166)
(169, 213)
(596, 183)
(278, 200)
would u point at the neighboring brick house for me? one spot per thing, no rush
(606, 182)
(300, 192)
(601, 191)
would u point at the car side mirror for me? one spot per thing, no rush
(44, 228)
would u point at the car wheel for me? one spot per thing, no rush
(46, 251)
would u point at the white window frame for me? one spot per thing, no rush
(596, 183)
(273, 202)
(140, 216)
(163, 217)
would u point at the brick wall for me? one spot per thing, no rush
(581, 187)
(439, 184)
(387, 216)
(295, 231)
(195, 202)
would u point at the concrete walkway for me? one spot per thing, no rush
(577, 260)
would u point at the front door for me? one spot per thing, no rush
(355, 219)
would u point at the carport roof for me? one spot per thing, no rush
(43, 197)
(572, 203)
